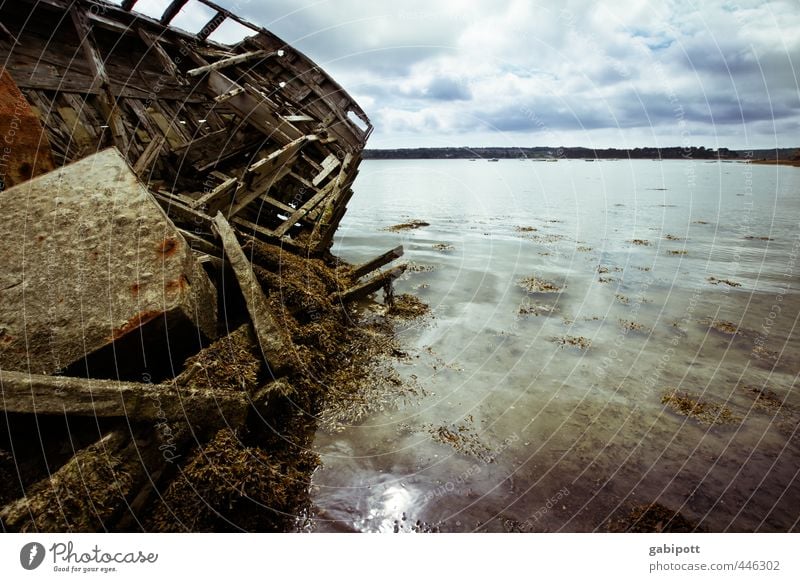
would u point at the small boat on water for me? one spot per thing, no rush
(493, 160)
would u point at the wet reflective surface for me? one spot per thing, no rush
(574, 297)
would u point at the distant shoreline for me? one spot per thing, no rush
(789, 156)
(795, 162)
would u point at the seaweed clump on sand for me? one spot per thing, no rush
(766, 399)
(728, 282)
(536, 285)
(724, 327)
(653, 518)
(706, 412)
(406, 306)
(463, 439)
(410, 225)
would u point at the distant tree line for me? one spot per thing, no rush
(670, 153)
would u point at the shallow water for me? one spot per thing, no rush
(519, 431)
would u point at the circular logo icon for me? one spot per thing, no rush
(31, 555)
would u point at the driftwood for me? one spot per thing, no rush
(371, 285)
(270, 335)
(37, 394)
(96, 486)
(366, 268)
(230, 61)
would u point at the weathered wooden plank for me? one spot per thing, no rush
(253, 109)
(97, 66)
(270, 335)
(301, 212)
(329, 164)
(276, 203)
(172, 11)
(266, 235)
(168, 129)
(261, 176)
(327, 231)
(211, 25)
(154, 45)
(296, 118)
(370, 286)
(232, 16)
(97, 484)
(376, 263)
(304, 182)
(216, 199)
(180, 211)
(231, 61)
(311, 162)
(36, 394)
(149, 155)
(246, 196)
(199, 244)
(210, 150)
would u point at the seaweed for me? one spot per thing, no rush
(410, 225)
(709, 413)
(535, 285)
(652, 518)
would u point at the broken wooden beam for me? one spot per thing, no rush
(253, 108)
(231, 61)
(154, 44)
(97, 66)
(329, 164)
(376, 263)
(377, 282)
(301, 212)
(172, 11)
(88, 492)
(211, 25)
(62, 395)
(270, 336)
(217, 198)
(149, 155)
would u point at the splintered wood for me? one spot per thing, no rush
(179, 147)
(255, 130)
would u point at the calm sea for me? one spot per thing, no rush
(542, 411)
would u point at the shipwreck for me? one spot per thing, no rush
(169, 204)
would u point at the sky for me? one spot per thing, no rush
(516, 73)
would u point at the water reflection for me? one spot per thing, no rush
(666, 280)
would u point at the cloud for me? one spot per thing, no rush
(580, 71)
